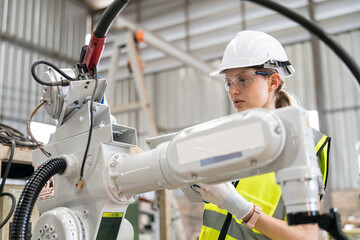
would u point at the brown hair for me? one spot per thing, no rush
(283, 99)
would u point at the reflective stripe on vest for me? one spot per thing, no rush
(322, 149)
(263, 191)
(213, 222)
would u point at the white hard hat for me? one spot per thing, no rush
(253, 48)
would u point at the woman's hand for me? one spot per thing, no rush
(215, 194)
(225, 196)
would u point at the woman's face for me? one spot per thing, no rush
(249, 90)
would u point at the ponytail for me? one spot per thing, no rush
(284, 99)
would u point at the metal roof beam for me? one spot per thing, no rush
(166, 47)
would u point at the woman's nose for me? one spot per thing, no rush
(234, 89)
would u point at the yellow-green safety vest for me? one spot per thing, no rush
(263, 191)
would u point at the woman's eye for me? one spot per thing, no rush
(242, 81)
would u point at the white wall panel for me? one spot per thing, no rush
(342, 102)
(30, 30)
(302, 84)
(342, 111)
(179, 98)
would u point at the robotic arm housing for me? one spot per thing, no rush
(240, 145)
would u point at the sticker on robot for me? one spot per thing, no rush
(48, 190)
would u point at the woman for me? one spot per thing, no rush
(254, 67)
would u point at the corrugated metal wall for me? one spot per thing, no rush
(342, 103)
(182, 98)
(179, 98)
(343, 112)
(53, 30)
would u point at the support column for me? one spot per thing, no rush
(164, 195)
(140, 84)
(317, 65)
(319, 86)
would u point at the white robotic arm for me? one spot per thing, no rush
(232, 147)
(241, 145)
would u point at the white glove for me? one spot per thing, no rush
(215, 194)
(225, 196)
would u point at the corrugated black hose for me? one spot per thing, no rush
(109, 17)
(30, 194)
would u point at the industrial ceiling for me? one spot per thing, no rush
(202, 28)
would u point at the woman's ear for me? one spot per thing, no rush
(274, 81)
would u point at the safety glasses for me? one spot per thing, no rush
(242, 80)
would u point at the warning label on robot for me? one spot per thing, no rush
(48, 190)
(109, 225)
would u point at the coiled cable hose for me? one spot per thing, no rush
(30, 194)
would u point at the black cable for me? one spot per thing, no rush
(314, 29)
(7, 134)
(11, 130)
(7, 170)
(331, 223)
(30, 194)
(61, 83)
(227, 222)
(13, 201)
(109, 17)
(5, 140)
(91, 127)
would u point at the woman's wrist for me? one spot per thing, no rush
(253, 217)
(247, 217)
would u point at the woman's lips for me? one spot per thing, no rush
(238, 102)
